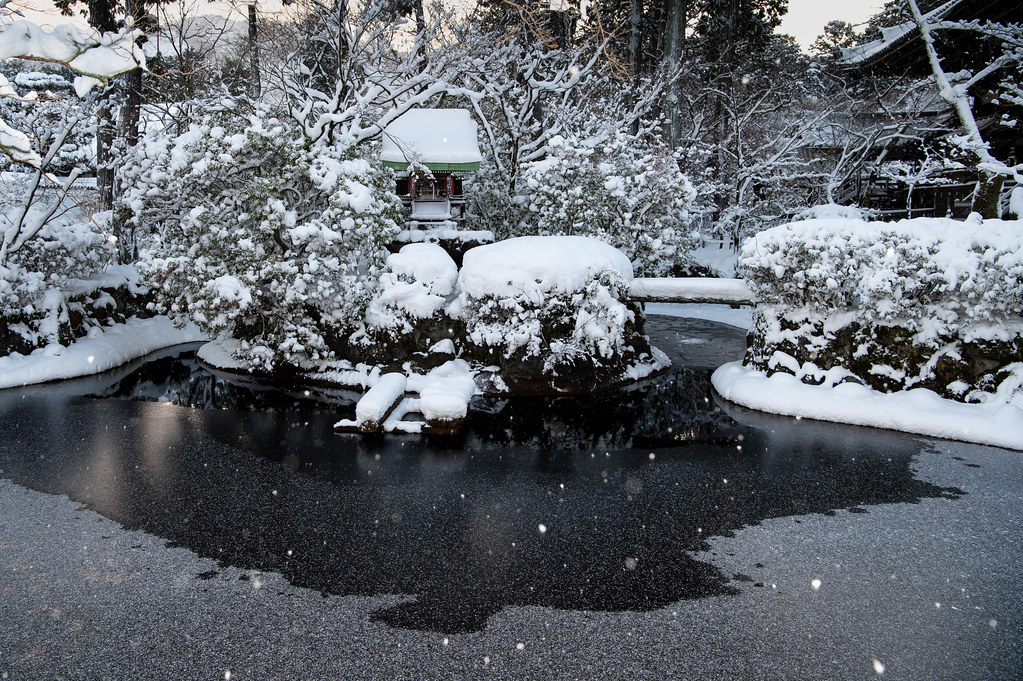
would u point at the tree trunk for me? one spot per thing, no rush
(254, 85)
(635, 58)
(989, 187)
(986, 197)
(133, 82)
(675, 15)
(101, 17)
(635, 17)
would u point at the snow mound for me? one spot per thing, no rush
(831, 210)
(445, 392)
(917, 411)
(381, 398)
(535, 265)
(104, 349)
(421, 280)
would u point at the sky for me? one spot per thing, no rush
(804, 21)
(806, 18)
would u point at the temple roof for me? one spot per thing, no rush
(440, 139)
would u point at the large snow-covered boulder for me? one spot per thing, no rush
(409, 314)
(552, 311)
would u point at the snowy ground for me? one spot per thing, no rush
(741, 317)
(718, 255)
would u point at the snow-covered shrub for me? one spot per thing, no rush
(927, 302)
(492, 206)
(619, 191)
(410, 310)
(255, 236)
(42, 297)
(45, 106)
(548, 308)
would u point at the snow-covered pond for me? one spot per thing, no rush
(603, 502)
(645, 529)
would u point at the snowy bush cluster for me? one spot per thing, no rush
(926, 302)
(415, 305)
(620, 192)
(550, 307)
(42, 298)
(253, 235)
(44, 107)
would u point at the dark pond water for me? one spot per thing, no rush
(602, 502)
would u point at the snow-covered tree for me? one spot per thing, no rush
(529, 95)
(255, 236)
(621, 191)
(354, 69)
(955, 88)
(94, 57)
(188, 55)
(748, 133)
(46, 107)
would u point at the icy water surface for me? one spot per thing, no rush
(598, 503)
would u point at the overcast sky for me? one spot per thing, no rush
(805, 19)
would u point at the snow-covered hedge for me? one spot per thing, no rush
(255, 236)
(619, 191)
(926, 302)
(546, 308)
(42, 298)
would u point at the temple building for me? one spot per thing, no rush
(433, 150)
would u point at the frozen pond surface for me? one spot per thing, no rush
(648, 533)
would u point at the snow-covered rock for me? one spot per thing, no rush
(532, 265)
(551, 310)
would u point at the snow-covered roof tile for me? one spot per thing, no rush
(891, 35)
(441, 139)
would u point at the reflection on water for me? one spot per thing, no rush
(601, 502)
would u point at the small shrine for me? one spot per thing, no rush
(433, 150)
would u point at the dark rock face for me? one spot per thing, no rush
(886, 357)
(547, 373)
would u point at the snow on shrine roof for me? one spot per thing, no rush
(440, 139)
(892, 35)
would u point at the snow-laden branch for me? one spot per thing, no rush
(96, 58)
(958, 98)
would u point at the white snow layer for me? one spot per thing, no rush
(432, 136)
(381, 398)
(104, 349)
(444, 393)
(85, 50)
(1016, 202)
(917, 411)
(540, 264)
(420, 280)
